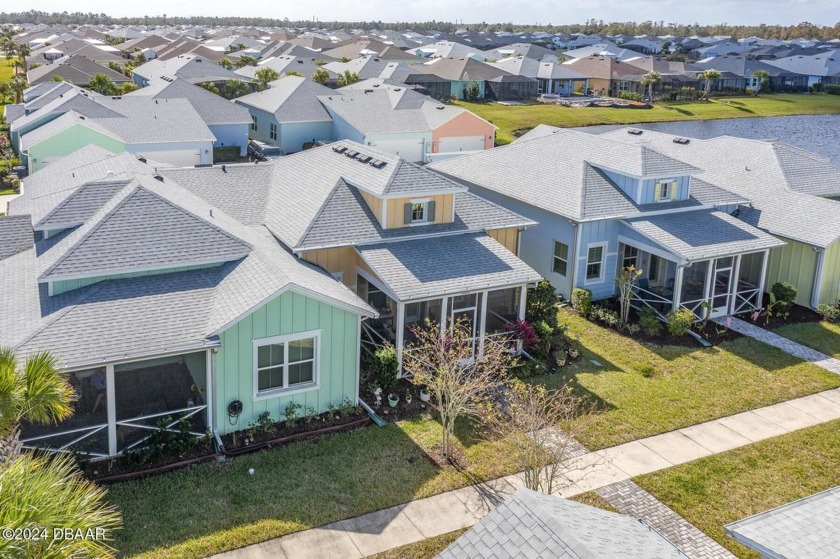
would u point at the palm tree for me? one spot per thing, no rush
(37, 393)
(18, 85)
(101, 84)
(761, 76)
(50, 494)
(235, 88)
(23, 51)
(649, 80)
(710, 76)
(264, 76)
(246, 60)
(347, 78)
(320, 75)
(5, 91)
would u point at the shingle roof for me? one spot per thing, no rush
(212, 108)
(304, 65)
(529, 524)
(190, 67)
(703, 234)
(74, 69)
(758, 171)
(803, 529)
(415, 269)
(16, 233)
(152, 121)
(291, 99)
(556, 169)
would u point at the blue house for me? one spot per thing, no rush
(603, 205)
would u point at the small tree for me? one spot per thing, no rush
(101, 83)
(710, 76)
(235, 88)
(347, 78)
(320, 75)
(761, 77)
(649, 80)
(542, 304)
(224, 62)
(211, 87)
(472, 91)
(294, 73)
(527, 420)
(625, 280)
(246, 60)
(265, 75)
(459, 381)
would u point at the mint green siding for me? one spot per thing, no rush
(830, 284)
(287, 314)
(62, 286)
(66, 142)
(795, 263)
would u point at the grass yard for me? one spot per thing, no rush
(425, 549)
(822, 336)
(516, 119)
(7, 70)
(714, 491)
(685, 386)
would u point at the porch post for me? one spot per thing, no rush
(736, 269)
(209, 388)
(710, 278)
(400, 322)
(550, 86)
(678, 281)
(111, 403)
(523, 301)
(444, 314)
(763, 280)
(482, 323)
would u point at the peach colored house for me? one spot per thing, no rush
(463, 132)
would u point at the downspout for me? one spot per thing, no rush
(576, 253)
(818, 278)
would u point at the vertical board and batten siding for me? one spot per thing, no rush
(287, 314)
(396, 209)
(599, 232)
(795, 263)
(68, 141)
(629, 185)
(231, 135)
(334, 260)
(509, 238)
(648, 195)
(375, 205)
(830, 288)
(292, 135)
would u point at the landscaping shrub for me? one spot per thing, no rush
(828, 312)
(679, 322)
(605, 315)
(785, 295)
(544, 331)
(629, 95)
(832, 89)
(649, 322)
(816, 88)
(541, 304)
(387, 367)
(522, 330)
(582, 300)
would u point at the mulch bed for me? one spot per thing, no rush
(120, 468)
(403, 409)
(798, 314)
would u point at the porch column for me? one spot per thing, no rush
(523, 301)
(400, 322)
(763, 280)
(444, 315)
(482, 323)
(678, 281)
(550, 86)
(710, 278)
(111, 403)
(210, 391)
(736, 268)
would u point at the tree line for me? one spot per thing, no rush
(805, 30)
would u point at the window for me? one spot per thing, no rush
(665, 191)
(418, 212)
(561, 258)
(631, 257)
(653, 269)
(254, 123)
(286, 362)
(595, 263)
(272, 131)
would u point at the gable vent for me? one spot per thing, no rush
(682, 141)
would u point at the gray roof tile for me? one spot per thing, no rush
(290, 99)
(212, 108)
(16, 234)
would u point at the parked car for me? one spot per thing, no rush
(262, 151)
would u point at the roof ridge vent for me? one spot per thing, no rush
(634, 131)
(682, 141)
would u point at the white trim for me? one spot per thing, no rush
(554, 258)
(285, 339)
(815, 293)
(736, 270)
(603, 262)
(678, 281)
(111, 403)
(400, 325)
(210, 389)
(425, 220)
(482, 322)
(650, 249)
(763, 282)
(377, 282)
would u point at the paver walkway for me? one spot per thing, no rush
(411, 522)
(787, 345)
(634, 501)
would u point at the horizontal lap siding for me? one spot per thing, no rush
(286, 314)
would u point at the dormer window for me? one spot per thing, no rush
(419, 212)
(666, 191)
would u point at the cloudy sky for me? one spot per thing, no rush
(820, 12)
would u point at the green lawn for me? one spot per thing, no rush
(425, 549)
(517, 119)
(688, 385)
(822, 336)
(714, 491)
(6, 70)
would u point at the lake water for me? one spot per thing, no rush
(816, 133)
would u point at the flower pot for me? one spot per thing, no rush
(393, 400)
(408, 398)
(425, 396)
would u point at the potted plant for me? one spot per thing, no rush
(393, 400)
(408, 396)
(425, 396)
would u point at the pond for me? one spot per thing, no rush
(819, 134)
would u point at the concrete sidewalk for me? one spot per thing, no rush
(408, 523)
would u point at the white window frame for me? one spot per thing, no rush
(671, 190)
(555, 258)
(602, 262)
(253, 123)
(425, 202)
(286, 390)
(272, 131)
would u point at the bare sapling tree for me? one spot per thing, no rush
(459, 377)
(537, 429)
(624, 281)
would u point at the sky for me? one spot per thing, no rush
(733, 12)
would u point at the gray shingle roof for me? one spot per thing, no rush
(415, 269)
(803, 529)
(703, 234)
(554, 170)
(212, 108)
(759, 171)
(154, 121)
(529, 525)
(190, 67)
(16, 233)
(291, 99)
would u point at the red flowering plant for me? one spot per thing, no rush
(522, 330)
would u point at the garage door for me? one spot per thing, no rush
(410, 150)
(461, 143)
(177, 157)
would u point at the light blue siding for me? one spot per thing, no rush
(629, 185)
(599, 232)
(292, 135)
(648, 194)
(231, 135)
